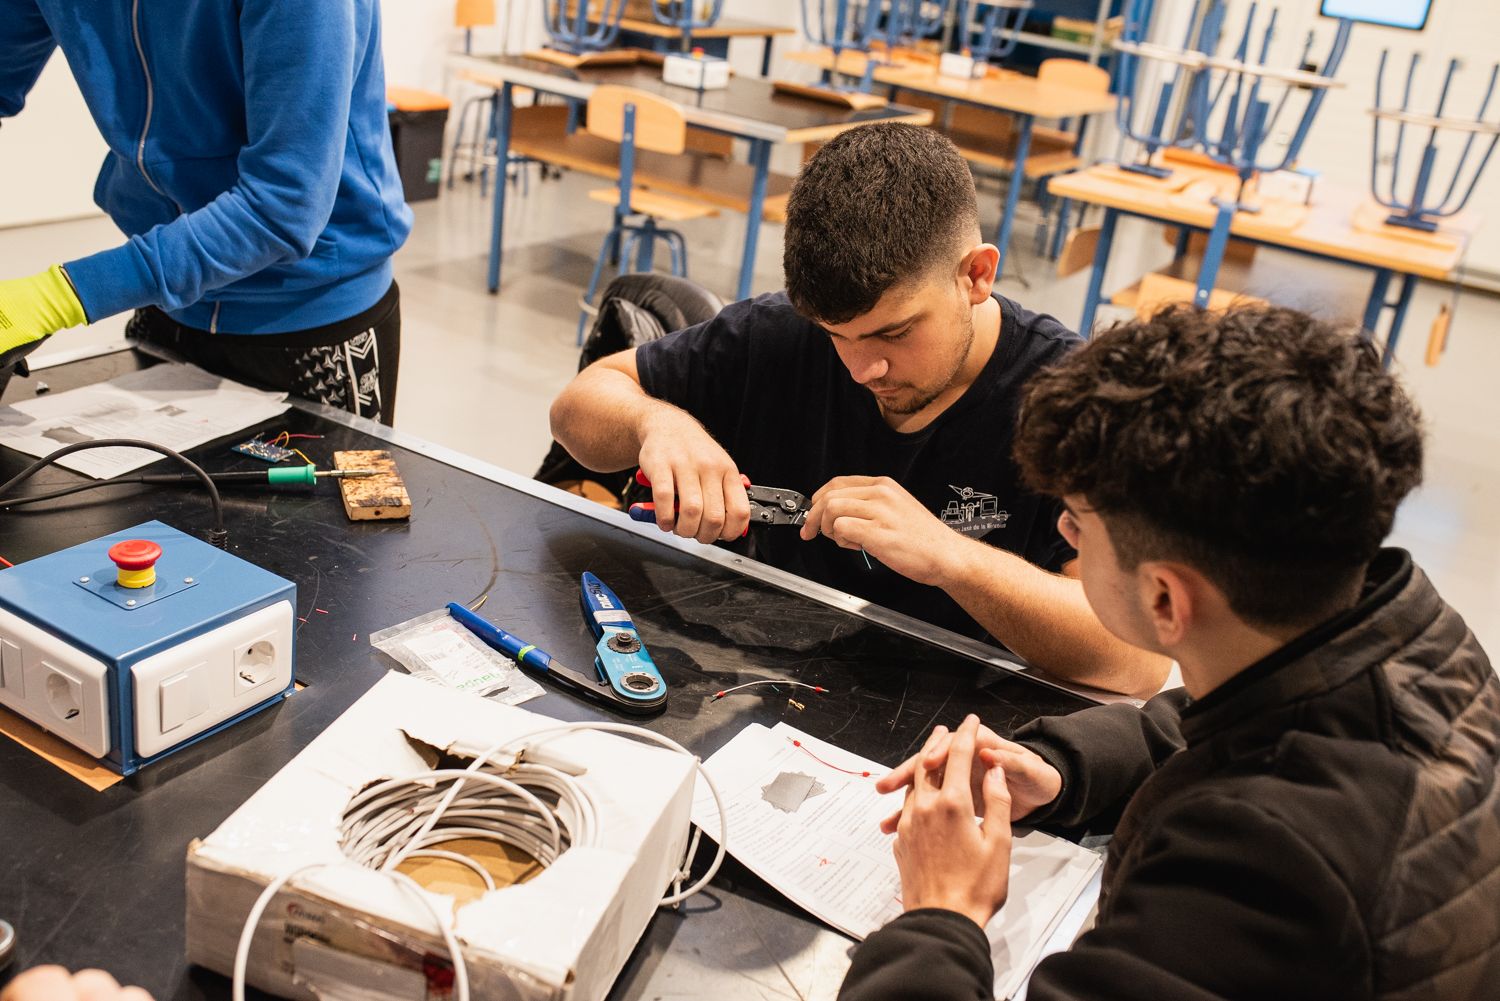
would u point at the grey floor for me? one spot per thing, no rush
(478, 371)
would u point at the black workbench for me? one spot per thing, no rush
(96, 878)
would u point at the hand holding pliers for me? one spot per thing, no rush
(768, 505)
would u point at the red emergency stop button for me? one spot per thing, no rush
(136, 559)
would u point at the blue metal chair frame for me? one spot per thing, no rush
(904, 22)
(1416, 211)
(679, 14)
(584, 32)
(840, 36)
(1248, 119)
(632, 241)
(1001, 20)
(1165, 130)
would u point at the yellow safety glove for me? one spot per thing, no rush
(31, 309)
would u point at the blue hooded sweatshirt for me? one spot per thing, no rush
(249, 164)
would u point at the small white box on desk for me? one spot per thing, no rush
(562, 935)
(961, 66)
(697, 71)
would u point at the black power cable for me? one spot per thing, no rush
(217, 536)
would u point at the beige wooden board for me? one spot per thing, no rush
(1327, 227)
(64, 755)
(541, 133)
(854, 99)
(609, 57)
(1078, 251)
(369, 498)
(1175, 181)
(725, 28)
(1005, 90)
(1157, 290)
(1451, 234)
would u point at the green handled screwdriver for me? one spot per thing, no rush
(276, 476)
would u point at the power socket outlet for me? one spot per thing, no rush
(198, 684)
(55, 685)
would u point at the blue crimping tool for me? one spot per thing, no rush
(624, 676)
(620, 656)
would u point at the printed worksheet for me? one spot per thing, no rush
(178, 406)
(804, 816)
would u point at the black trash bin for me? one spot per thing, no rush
(418, 118)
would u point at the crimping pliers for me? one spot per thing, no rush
(768, 505)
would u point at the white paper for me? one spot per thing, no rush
(178, 406)
(806, 819)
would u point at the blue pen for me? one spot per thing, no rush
(517, 649)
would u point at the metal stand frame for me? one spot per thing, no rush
(995, 33)
(1181, 107)
(591, 28)
(680, 14)
(1416, 210)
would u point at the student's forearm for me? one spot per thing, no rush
(1045, 618)
(602, 416)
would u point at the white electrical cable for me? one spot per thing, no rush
(399, 819)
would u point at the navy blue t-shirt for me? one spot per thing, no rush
(769, 386)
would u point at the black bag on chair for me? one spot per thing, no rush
(633, 310)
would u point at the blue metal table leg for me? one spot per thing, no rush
(1375, 305)
(1180, 248)
(1096, 277)
(502, 156)
(1403, 300)
(760, 159)
(765, 55)
(1060, 234)
(1013, 196)
(484, 141)
(1213, 255)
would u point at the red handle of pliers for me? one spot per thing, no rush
(647, 511)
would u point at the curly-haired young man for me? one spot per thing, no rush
(883, 383)
(1317, 813)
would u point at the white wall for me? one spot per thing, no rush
(49, 153)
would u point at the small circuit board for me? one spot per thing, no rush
(258, 448)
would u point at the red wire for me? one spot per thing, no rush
(846, 771)
(7, 562)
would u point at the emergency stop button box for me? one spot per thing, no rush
(142, 642)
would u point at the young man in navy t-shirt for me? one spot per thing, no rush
(883, 383)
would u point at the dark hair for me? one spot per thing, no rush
(877, 207)
(1265, 448)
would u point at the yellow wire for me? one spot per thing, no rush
(304, 456)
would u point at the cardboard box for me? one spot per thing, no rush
(564, 933)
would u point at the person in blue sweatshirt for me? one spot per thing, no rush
(250, 168)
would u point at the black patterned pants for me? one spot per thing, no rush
(350, 365)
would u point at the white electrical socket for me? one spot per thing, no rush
(56, 686)
(203, 681)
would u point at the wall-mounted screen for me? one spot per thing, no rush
(1409, 14)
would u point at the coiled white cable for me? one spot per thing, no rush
(530, 806)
